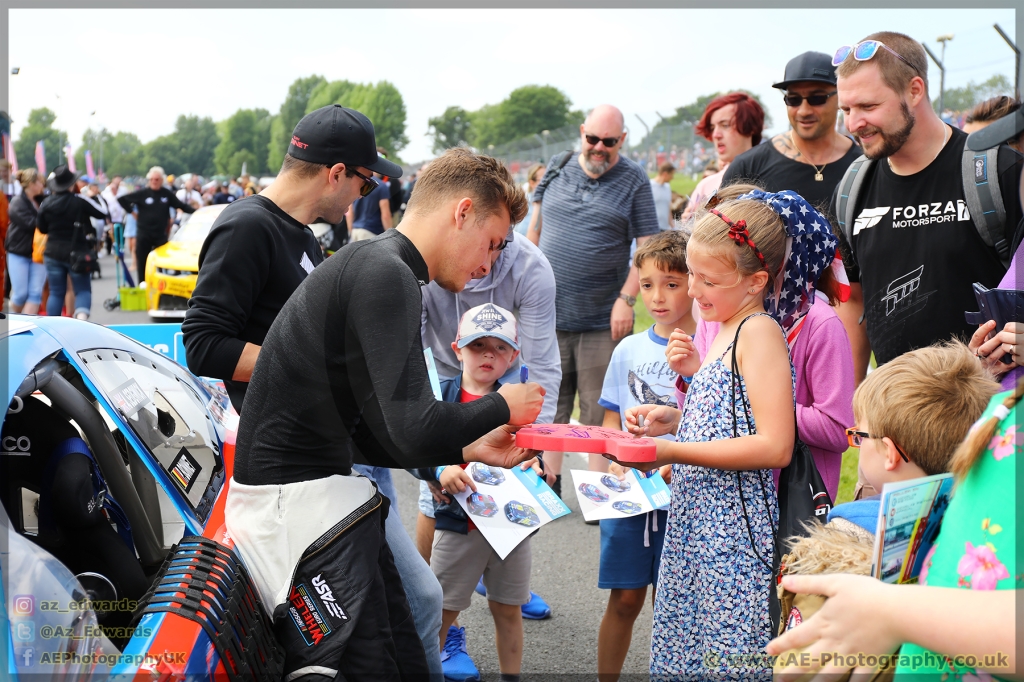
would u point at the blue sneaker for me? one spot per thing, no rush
(480, 589)
(536, 608)
(455, 662)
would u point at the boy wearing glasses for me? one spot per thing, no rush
(911, 415)
(811, 157)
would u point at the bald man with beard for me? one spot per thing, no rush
(585, 218)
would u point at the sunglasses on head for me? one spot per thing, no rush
(608, 141)
(814, 100)
(369, 184)
(713, 201)
(865, 51)
(856, 438)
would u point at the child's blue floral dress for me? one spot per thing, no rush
(711, 609)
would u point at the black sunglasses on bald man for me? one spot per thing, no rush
(608, 141)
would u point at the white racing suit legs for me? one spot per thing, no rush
(318, 555)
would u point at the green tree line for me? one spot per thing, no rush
(255, 138)
(964, 98)
(527, 111)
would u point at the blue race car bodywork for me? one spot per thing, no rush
(151, 448)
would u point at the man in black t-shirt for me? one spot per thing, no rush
(915, 250)
(154, 204)
(811, 157)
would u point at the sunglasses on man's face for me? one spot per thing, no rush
(865, 51)
(815, 100)
(856, 438)
(369, 184)
(592, 140)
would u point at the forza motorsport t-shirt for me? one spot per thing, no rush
(916, 251)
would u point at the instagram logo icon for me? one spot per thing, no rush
(24, 604)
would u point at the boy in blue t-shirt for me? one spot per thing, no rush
(638, 374)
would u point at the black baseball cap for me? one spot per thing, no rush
(335, 134)
(996, 133)
(810, 66)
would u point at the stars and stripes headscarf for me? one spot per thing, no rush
(810, 249)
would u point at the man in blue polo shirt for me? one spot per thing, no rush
(585, 218)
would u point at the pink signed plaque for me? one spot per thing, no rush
(593, 439)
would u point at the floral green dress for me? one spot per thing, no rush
(976, 548)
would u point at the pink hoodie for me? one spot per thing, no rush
(824, 386)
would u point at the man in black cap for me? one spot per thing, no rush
(811, 157)
(260, 248)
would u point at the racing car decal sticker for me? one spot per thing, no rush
(184, 470)
(129, 398)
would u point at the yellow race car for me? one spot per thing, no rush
(172, 269)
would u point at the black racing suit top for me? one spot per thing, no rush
(154, 208)
(341, 376)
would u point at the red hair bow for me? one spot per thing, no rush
(739, 234)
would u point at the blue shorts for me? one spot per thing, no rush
(625, 563)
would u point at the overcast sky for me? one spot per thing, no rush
(139, 69)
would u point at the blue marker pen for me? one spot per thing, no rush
(524, 374)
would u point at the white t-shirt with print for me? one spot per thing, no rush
(638, 374)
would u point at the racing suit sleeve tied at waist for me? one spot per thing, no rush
(343, 613)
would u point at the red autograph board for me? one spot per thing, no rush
(593, 439)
